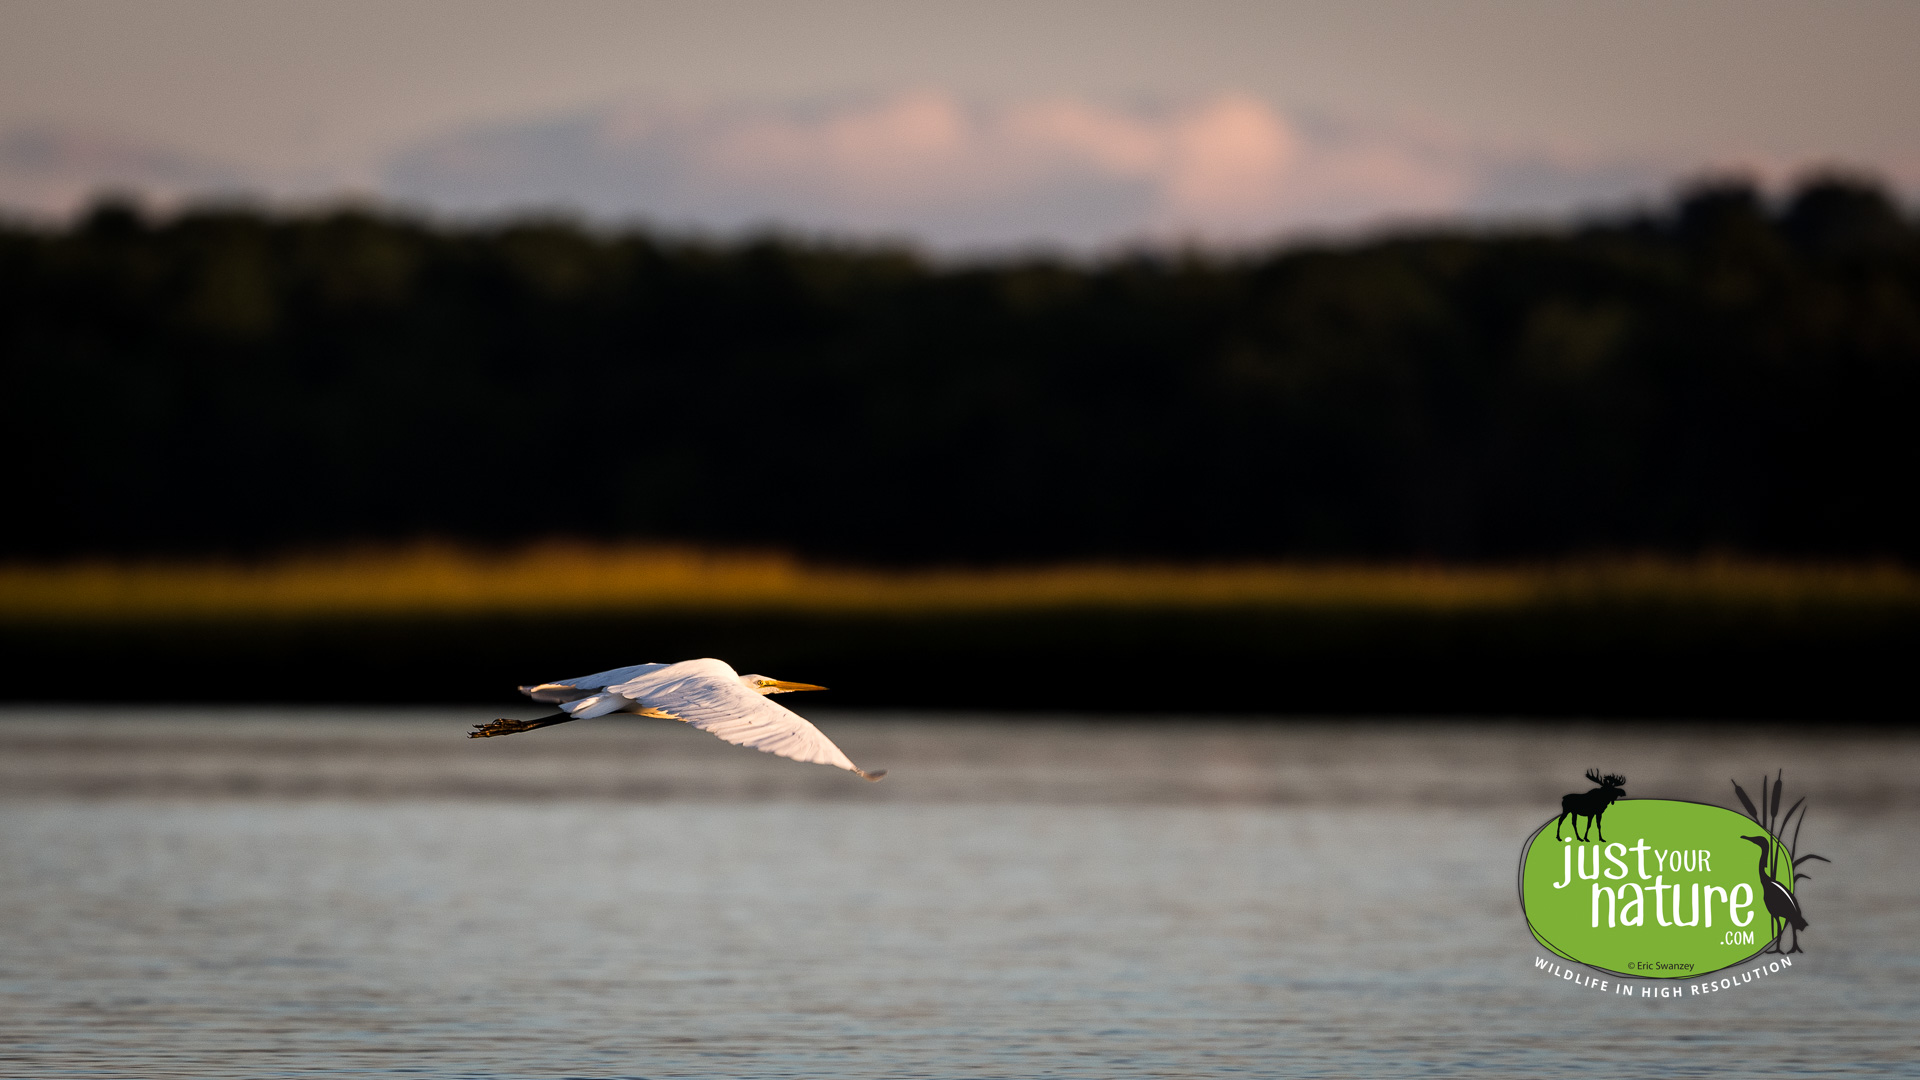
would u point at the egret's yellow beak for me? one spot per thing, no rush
(782, 684)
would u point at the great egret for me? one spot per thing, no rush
(708, 694)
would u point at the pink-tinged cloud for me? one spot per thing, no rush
(908, 151)
(1229, 160)
(1223, 162)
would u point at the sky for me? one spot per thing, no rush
(957, 126)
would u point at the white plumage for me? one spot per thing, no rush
(707, 694)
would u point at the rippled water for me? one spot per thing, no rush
(186, 894)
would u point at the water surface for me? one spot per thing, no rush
(187, 893)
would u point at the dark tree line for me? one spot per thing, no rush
(1730, 374)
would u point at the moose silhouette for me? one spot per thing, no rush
(1591, 805)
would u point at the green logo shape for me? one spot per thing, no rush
(1678, 892)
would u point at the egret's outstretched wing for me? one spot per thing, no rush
(709, 695)
(602, 704)
(566, 690)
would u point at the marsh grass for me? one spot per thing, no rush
(434, 580)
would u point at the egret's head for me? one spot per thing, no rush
(1760, 840)
(765, 685)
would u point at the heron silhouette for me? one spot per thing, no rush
(1780, 902)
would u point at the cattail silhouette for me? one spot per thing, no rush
(1781, 902)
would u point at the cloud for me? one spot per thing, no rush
(51, 170)
(926, 166)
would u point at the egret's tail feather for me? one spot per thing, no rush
(509, 727)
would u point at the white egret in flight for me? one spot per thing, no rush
(707, 694)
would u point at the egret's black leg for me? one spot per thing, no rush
(509, 727)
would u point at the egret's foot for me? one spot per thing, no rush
(509, 727)
(874, 775)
